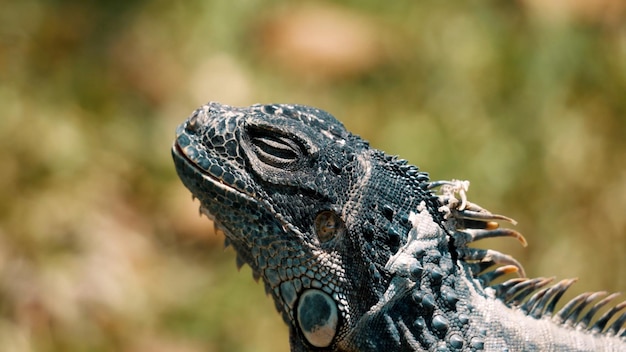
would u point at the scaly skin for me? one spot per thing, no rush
(357, 251)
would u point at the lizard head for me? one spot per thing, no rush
(352, 244)
(294, 193)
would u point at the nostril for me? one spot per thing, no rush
(192, 122)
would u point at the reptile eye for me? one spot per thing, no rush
(328, 225)
(274, 148)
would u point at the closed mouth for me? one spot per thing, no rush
(216, 181)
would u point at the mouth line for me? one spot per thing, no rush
(220, 184)
(214, 180)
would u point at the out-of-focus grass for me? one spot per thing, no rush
(101, 248)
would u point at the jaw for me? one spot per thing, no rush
(213, 193)
(187, 169)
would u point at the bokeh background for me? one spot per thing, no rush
(102, 248)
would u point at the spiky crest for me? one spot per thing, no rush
(532, 296)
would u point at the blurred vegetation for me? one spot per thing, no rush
(101, 247)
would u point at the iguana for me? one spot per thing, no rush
(361, 252)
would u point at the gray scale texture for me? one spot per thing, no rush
(310, 206)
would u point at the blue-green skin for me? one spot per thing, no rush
(265, 172)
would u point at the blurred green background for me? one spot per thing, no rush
(102, 248)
